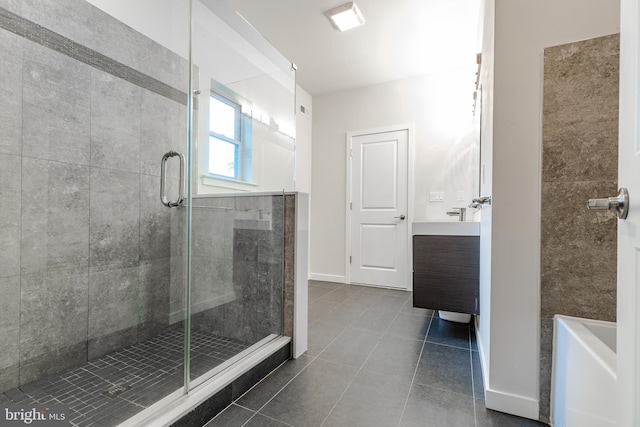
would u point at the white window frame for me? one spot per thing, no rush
(238, 141)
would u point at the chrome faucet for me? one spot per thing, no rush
(459, 212)
(479, 201)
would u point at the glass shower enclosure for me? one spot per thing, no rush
(145, 153)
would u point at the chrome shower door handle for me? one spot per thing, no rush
(163, 180)
(619, 203)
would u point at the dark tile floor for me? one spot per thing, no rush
(373, 360)
(111, 389)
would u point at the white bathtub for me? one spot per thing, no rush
(583, 383)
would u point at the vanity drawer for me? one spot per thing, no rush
(446, 273)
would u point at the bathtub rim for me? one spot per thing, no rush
(592, 344)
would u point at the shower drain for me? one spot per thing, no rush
(115, 390)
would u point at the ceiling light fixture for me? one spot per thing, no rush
(345, 17)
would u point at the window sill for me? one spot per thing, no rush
(229, 183)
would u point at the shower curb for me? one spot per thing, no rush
(207, 400)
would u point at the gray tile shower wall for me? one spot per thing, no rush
(580, 161)
(11, 113)
(88, 108)
(294, 208)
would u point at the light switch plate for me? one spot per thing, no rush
(436, 196)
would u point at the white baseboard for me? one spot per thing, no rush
(502, 401)
(513, 404)
(483, 361)
(327, 278)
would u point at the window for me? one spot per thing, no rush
(225, 138)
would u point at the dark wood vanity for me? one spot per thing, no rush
(446, 272)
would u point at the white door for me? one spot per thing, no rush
(379, 205)
(628, 349)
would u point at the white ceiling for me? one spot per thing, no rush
(401, 38)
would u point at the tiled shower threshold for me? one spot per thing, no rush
(114, 388)
(215, 392)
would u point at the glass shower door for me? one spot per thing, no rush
(243, 160)
(97, 276)
(94, 94)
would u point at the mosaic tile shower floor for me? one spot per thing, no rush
(113, 388)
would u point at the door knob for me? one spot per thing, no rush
(619, 203)
(401, 217)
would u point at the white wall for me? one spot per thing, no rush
(304, 130)
(440, 107)
(486, 185)
(509, 332)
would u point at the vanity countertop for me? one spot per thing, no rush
(457, 228)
